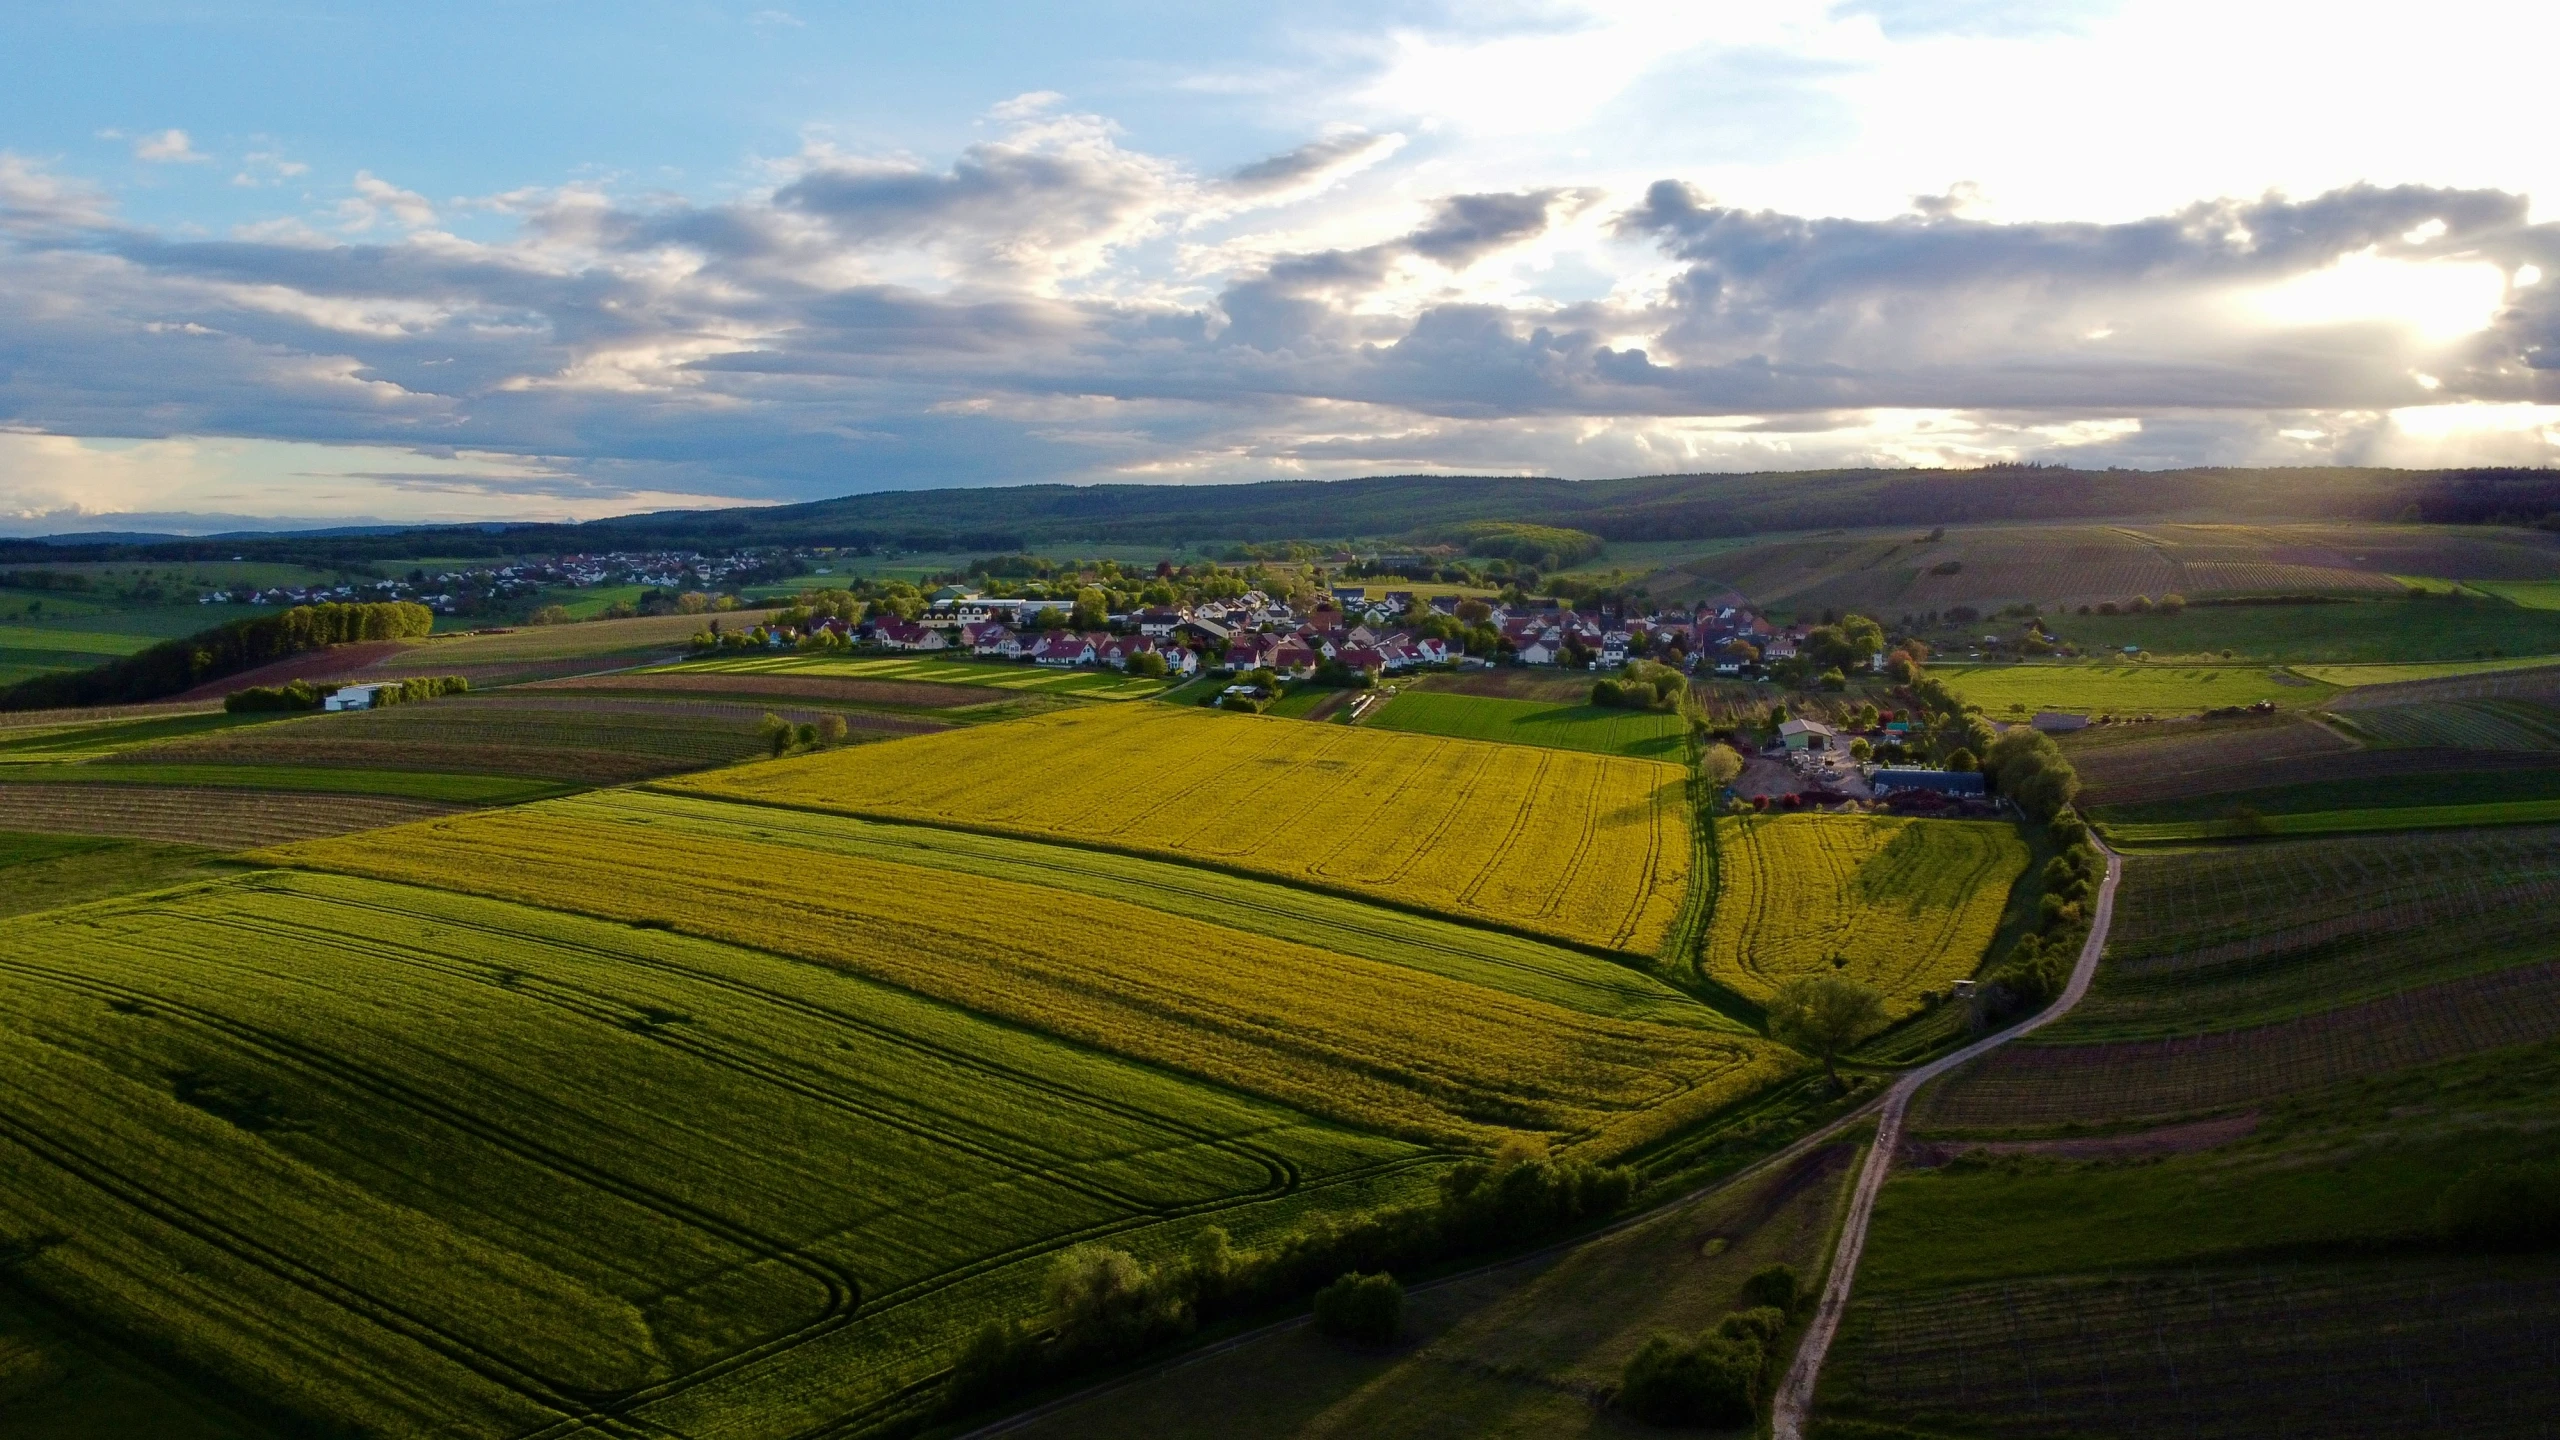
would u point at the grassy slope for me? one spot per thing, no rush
(1642, 734)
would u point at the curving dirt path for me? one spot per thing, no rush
(1794, 1400)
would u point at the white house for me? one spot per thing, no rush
(352, 697)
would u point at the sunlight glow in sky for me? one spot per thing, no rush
(487, 259)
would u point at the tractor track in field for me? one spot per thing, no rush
(613, 1412)
(1793, 1404)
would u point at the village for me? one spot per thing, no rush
(1356, 637)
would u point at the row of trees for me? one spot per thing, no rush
(173, 667)
(1103, 1305)
(303, 695)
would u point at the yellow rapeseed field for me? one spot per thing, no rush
(1378, 1045)
(1583, 847)
(1904, 905)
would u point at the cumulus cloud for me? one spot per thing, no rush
(168, 147)
(1012, 313)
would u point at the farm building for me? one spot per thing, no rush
(2056, 722)
(1806, 735)
(1943, 782)
(352, 697)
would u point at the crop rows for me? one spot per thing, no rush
(2288, 1353)
(427, 1163)
(2466, 724)
(2038, 1085)
(2221, 938)
(2375, 686)
(2215, 577)
(995, 674)
(1587, 848)
(815, 689)
(2047, 580)
(1383, 1046)
(1904, 905)
(2161, 766)
(224, 819)
(595, 740)
(1495, 959)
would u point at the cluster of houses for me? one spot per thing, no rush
(1351, 627)
(453, 591)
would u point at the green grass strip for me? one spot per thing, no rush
(2342, 822)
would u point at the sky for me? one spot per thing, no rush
(325, 263)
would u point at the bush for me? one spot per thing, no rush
(2503, 1208)
(1363, 1309)
(292, 695)
(1716, 1379)
(1777, 1287)
(549, 615)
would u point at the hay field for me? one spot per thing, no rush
(1383, 1046)
(1592, 849)
(428, 1164)
(1904, 905)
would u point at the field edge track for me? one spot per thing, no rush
(1794, 1400)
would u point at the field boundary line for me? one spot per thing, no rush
(1793, 1152)
(1794, 1400)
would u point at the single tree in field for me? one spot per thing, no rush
(1719, 766)
(1823, 1015)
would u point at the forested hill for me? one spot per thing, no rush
(1645, 507)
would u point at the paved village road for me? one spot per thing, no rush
(1795, 1394)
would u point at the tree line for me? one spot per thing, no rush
(173, 667)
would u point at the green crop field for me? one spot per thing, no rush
(2453, 790)
(2356, 675)
(2238, 974)
(1641, 733)
(2124, 689)
(2359, 821)
(422, 1163)
(2364, 631)
(45, 872)
(1391, 1047)
(2213, 1280)
(2463, 724)
(994, 674)
(2531, 594)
